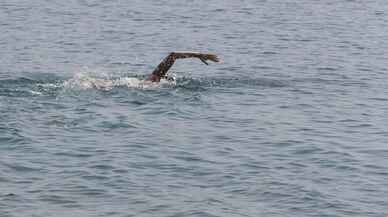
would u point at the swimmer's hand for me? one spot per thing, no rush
(211, 57)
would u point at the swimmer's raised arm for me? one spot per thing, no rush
(161, 70)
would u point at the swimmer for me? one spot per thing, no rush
(163, 67)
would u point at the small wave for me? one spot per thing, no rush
(17, 81)
(23, 86)
(205, 83)
(52, 86)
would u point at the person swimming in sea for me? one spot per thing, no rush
(161, 70)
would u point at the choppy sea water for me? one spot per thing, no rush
(293, 122)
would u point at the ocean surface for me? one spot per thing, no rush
(292, 122)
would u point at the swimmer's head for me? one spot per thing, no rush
(169, 78)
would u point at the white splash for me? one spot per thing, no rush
(87, 80)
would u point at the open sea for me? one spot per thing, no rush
(292, 122)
